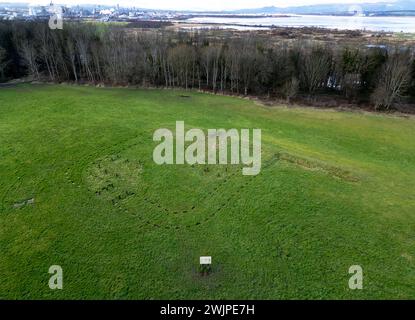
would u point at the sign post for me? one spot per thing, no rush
(205, 265)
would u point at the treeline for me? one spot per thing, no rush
(241, 65)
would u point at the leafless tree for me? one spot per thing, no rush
(291, 88)
(315, 68)
(210, 56)
(3, 61)
(182, 58)
(233, 61)
(82, 40)
(248, 64)
(47, 53)
(394, 80)
(29, 56)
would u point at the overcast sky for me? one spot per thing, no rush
(199, 4)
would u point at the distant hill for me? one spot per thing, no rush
(14, 4)
(401, 5)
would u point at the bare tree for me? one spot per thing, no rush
(291, 88)
(182, 59)
(315, 68)
(82, 40)
(233, 60)
(120, 57)
(29, 56)
(3, 61)
(216, 54)
(394, 80)
(46, 49)
(210, 56)
(72, 56)
(248, 64)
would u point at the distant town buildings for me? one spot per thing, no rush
(98, 12)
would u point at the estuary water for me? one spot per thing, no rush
(387, 24)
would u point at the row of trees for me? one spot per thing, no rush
(242, 65)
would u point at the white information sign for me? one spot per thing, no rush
(205, 260)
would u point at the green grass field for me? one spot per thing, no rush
(336, 189)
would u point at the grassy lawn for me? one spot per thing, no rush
(336, 189)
